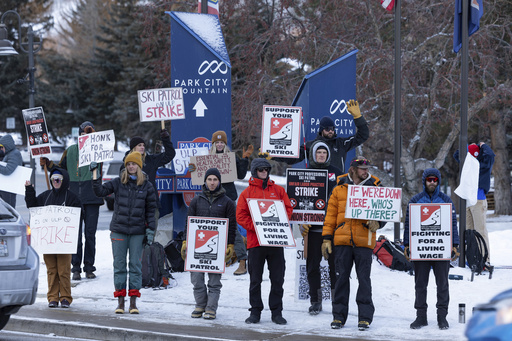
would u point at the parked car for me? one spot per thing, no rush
(493, 320)
(19, 264)
(111, 171)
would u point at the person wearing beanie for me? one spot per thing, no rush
(338, 146)
(11, 157)
(319, 158)
(151, 162)
(132, 225)
(431, 181)
(350, 241)
(262, 187)
(212, 202)
(476, 215)
(219, 145)
(58, 270)
(80, 183)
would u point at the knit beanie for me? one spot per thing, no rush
(259, 163)
(135, 141)
(212, 171)
(474, 150)
(219, 136)
(325, 122)
(84, 125)
(133, 157)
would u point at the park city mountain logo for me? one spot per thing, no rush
(337, 105)
(213, 67)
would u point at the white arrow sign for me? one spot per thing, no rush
(200, 107)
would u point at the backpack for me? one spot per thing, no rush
(476, 251)
(173, 253)
(155, 270)
(391, 255)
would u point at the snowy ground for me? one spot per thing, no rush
(393, 295)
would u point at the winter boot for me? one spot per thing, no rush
(133, 308)
(421, 321)
(442, 323)
(316, 308)
(197, 313)
(120, 305)
(242, 270)
(253, 318)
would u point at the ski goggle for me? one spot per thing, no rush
(263, 169)
(57, 178)
(432, 179)
(329, 128)
(360, 162)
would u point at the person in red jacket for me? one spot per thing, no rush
(261, 187)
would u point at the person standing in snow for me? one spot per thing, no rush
(476, 215)
(132, 222)
(354, 240)
(261, 187)
(219, 146)
(431, 181)
(58, 270)
(212, 202)
(319, 158)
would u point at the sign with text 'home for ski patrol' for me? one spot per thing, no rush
(280, 135)
(161, 104)
(200, 66)
(430, 231)
(271, 222)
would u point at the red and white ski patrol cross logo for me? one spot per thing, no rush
(207, 244)
(332, 176)
(281, 131)
(268, 211)
(430, 218)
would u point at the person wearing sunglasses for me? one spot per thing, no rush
(354, 241)
(11, 157)
(431, 181)
(261, 187)
(57, 265)
(338, 146)
(320, 158)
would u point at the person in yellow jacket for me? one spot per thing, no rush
(354, 240)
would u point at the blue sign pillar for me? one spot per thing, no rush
(324, 92)
(200, 66)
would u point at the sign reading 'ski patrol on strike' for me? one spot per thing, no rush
(280, 134)
(161, 104)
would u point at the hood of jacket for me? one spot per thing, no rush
(8, 142)
(431, 172)
(312, 155)
(65, 180)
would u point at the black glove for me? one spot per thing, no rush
(164, 134)
(93, 166)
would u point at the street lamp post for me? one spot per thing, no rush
(32, 47)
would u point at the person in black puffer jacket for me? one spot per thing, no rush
(212, 202)
(133, 219)
(57, 265)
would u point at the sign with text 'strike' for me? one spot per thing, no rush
(161, 104)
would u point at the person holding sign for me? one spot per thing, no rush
(11, 158)
(219, 146)
(261, 187)
(320, 158)
(58, 270)
(81, 184)
(338, 146)
(212, 202)
(132, 223)
(431, 181)
(151, 162)
(354, 240)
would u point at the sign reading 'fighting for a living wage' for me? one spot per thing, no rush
(271, 222)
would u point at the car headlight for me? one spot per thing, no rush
(504, 312)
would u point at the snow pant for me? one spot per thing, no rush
(122, 244)
(421, 274)
(240, 249)
(313, 266)
(89, 224)
(476, 220)
(206, 298)
(59, 277)
(9, 198)
(274, 256)
(345, 256)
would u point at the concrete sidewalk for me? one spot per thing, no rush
(76, 324)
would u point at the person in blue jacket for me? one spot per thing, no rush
(431, 180)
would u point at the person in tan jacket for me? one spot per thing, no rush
(354, 240)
